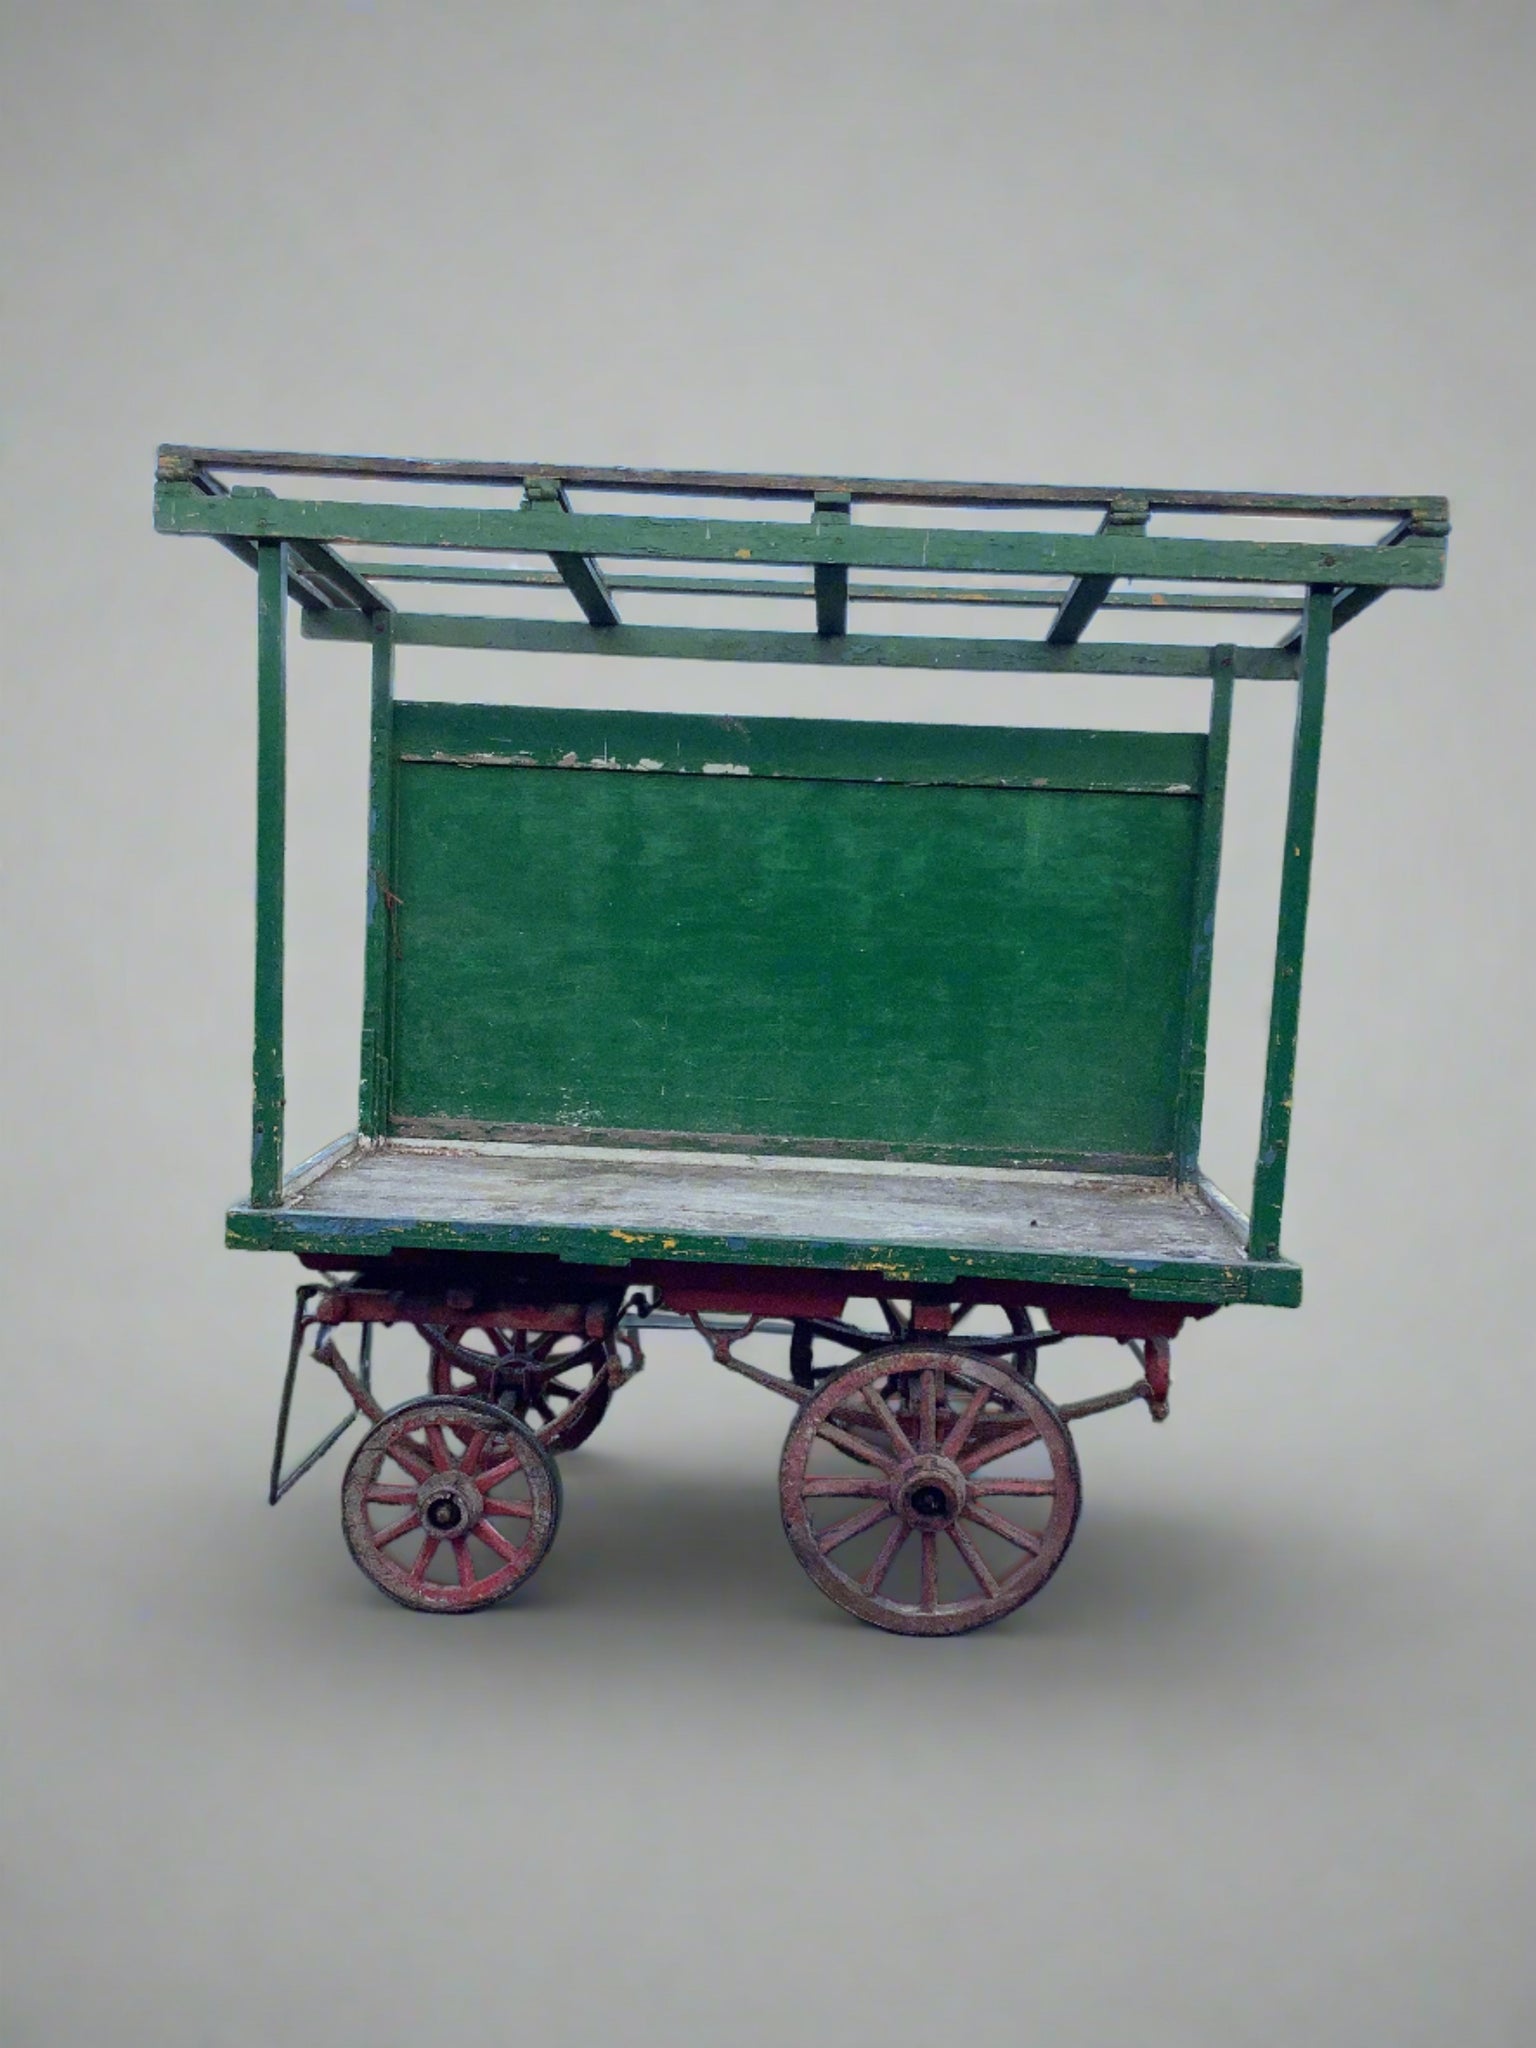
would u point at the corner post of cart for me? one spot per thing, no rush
(1290, 939)
(268, 1087)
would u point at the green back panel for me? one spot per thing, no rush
(950, 943)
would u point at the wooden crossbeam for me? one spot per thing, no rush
(833, 508)
(335, 579)
(178, 464)
(548, 530)
(318, 580)
(1349, 603)
(579, 573)
(972, 594)
(844, 650)
(1126, 515)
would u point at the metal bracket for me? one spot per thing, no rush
(720, 1337)
(281, 1482)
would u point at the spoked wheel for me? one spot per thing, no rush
(556, 1384)
(449, 1505)
(940, 1511)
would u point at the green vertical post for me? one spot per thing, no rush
(832, 508)
(1295, 885)
(271, 825)
(378, 944)
(1197, 1001)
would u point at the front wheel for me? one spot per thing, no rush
(449, 1505)
(936, 1512)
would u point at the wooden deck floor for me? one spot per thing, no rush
(735, 1196)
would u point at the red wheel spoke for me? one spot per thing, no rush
(522, 1509)
(498, 1472)
(493, 1539)
(1029, 1489)
(472, 1449)
(838, 1486)
(928, 1415)
(954, 1443)
(410, 1457)
(874, 1578)
(559, 1387)
(438, 1445)
(930, 1593)
(845, 1440)
(465, 1563)
(1011, 1532)
(999, 1447)
(979, 1569)
(543, 1409)
(401, 1528)
(424, 1558)
(544, 1345)
(390, 1496)
(837, 1533)
(885, 1415)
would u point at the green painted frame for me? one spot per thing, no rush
(292, 544)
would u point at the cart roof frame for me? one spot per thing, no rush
(339, 596)
(306, 548)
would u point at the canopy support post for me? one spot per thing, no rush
(1197, 1002)
(267, 1099)
(379, 929)
(1295, 886)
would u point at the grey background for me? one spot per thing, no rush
(1258, 1767)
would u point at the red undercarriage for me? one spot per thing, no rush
(488, 1287)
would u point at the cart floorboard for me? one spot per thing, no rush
(629, 1195)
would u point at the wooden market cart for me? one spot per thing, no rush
(733, 1021)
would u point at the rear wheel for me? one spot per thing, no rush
(935, 1512)
(556, 1384)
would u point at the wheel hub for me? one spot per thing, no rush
(930, 1492)
(450, 1504)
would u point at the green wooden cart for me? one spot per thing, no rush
(733, 1022)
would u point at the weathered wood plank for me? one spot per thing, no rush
(180, 508)
(851, 650)
(923, 965)
(905, 1222)
(181, 464)
(814, 749)
(973, 594)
